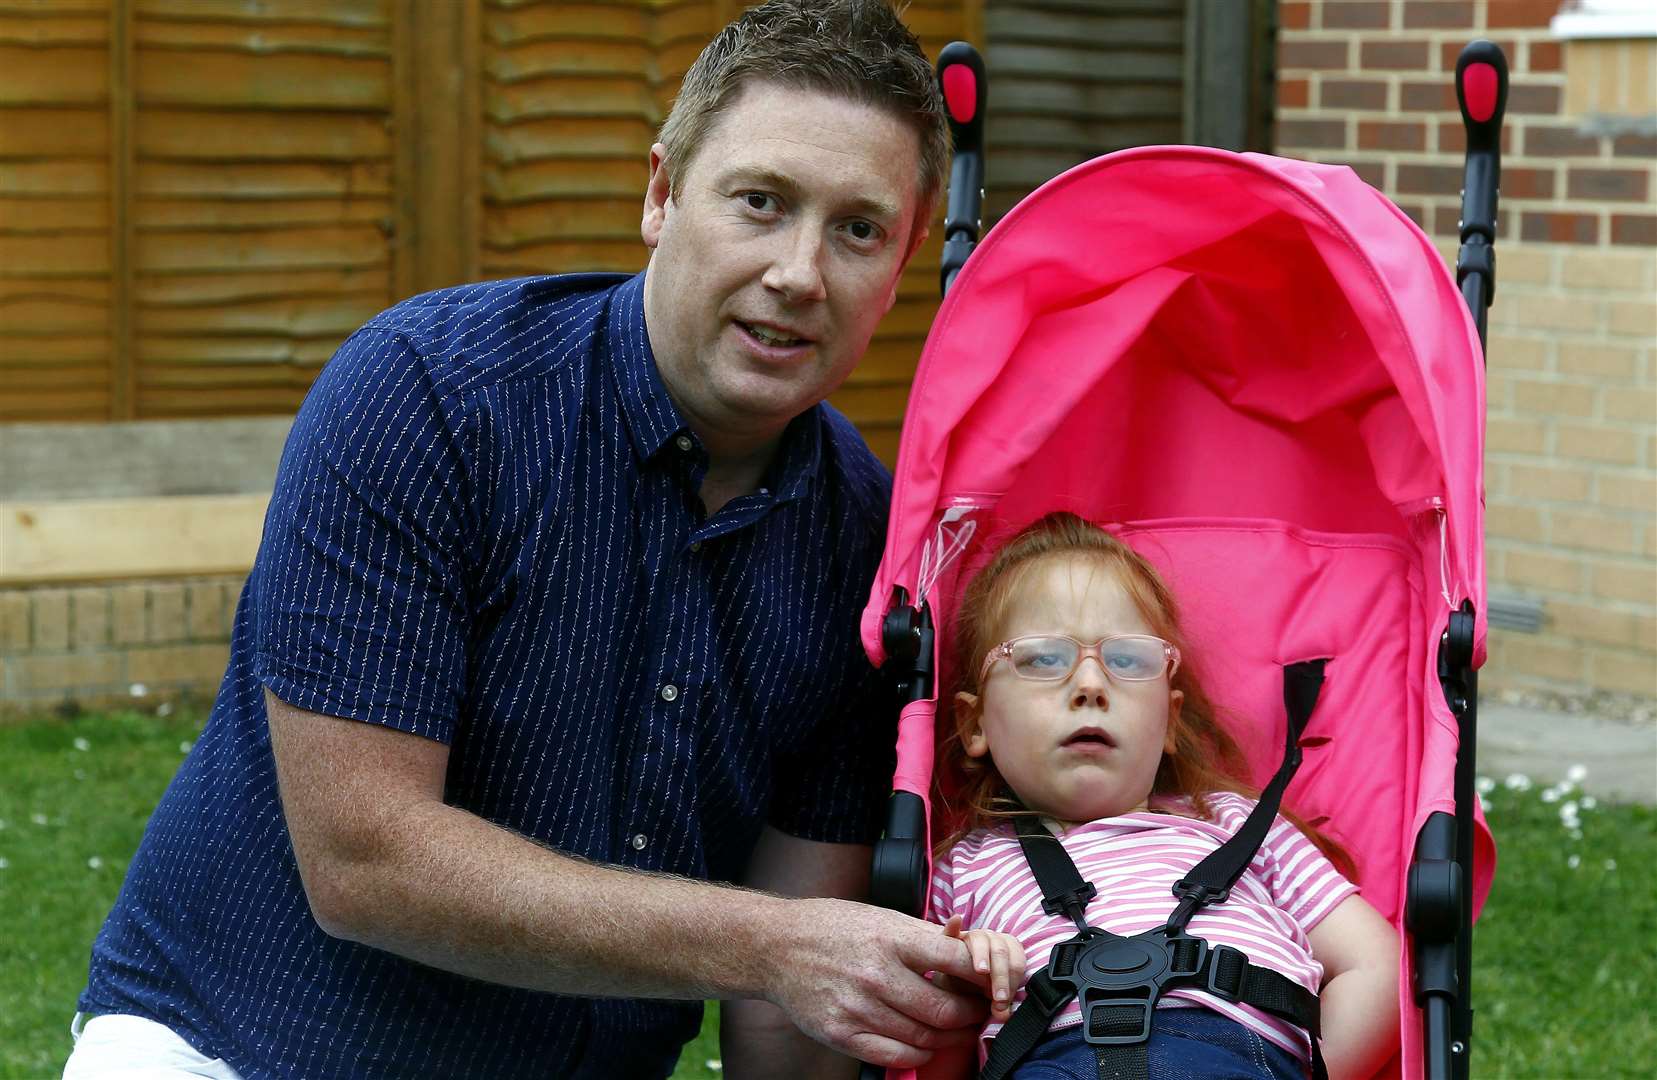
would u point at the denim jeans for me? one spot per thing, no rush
(1185, 1043)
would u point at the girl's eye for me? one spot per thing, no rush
(1127, 663)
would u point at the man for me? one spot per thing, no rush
(555, 613)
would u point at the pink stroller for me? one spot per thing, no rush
(1259, 371)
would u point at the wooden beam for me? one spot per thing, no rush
(1219, 64)
(117, 539)
(123, 376)
(437, 111)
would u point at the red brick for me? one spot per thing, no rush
(1312, 134)
(1545, 141)
(1362, 15)
(1520, 13)
(1450, 51)
(1437, 96)
(1294, 14)
(1446, 221)
(1452, 138)
(1319, 54)
(1527, 183)
(1557, 228)
(1634, 146)
(1372, 173)
(1352, 94)
(1385, 135)
(1429, 179)
(1393, 55)
(1620, 185)
(1437, 14)
(1293, 93)
(1531, 99)
(1636, 229)
(1545, 56)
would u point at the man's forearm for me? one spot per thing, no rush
(459, 893)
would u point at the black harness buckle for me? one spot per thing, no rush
(1227, 967)
(1117, 1021)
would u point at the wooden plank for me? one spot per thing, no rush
(568, 138)
(54, 29)
(22, 288)
(1101, 27)
(438, 116)
(260, 401)
(194, 351)
(315, 248)
(214, 289)
(59, 347)
(566, 258)
(217, 135)
(121, 363)
(47, 215)
(631, 98)
(46, 314)
(332, 317)
(54, 405)
(289, 81)
(239, 378)
(540, 59)
(563, 219)
(52, 77)
(568, 21)
(265, 38)
(42, 132)
(58, 255)
(175, 215)
(54, 178)
(111, 539)
(620, 178)
(266, 180)
(344, 13)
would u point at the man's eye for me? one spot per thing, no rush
(862, 230)
(759, 200)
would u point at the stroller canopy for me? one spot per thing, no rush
(1182, 331)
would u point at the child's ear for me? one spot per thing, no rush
(1176, 698)
(966, 725)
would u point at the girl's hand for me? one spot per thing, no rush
(999, 961)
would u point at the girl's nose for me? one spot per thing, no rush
(1089, 685)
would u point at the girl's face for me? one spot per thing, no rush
(1086, 747)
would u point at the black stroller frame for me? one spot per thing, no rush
(1438, 906)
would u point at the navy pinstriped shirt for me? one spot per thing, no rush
(486, 531)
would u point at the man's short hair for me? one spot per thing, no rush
(855, 49)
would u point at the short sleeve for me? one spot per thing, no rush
(836, 786)
(1302, 880)
(359, 603)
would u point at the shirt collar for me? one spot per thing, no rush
(654, 423)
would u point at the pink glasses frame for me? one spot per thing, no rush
(1004, 651)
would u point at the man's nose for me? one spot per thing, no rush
(794, 269)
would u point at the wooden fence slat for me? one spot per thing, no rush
(344, 13)
(281, 180)
(217, 135)
(290, 81)
(53, 77)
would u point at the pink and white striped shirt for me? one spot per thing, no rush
(1134, 860)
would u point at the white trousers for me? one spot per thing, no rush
(133, 1048)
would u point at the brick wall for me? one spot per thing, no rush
(96, 645)
(1571, 464)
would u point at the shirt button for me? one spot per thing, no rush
(670, 692)
(640, 841)
(683, 442)
(765, 491)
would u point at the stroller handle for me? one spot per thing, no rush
(1481, 91)
(965, 92)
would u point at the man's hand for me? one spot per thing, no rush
(854, 977)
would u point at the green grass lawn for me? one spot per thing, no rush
(1563, 954)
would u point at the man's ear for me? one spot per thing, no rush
(967, 726)
(656, 195)
(1176, 700)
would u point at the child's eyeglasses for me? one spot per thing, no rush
(1054, 658)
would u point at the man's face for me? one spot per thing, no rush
(777, 256)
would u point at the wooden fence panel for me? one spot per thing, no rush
(200, 198)
(55, 188)
(262, 200)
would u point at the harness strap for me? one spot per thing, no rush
(1063, 892)
(1210, 881)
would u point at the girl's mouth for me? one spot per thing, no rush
(1090, 738)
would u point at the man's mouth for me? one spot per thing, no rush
(1091, 737)
(775, 337)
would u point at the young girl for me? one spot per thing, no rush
(1077, 703)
